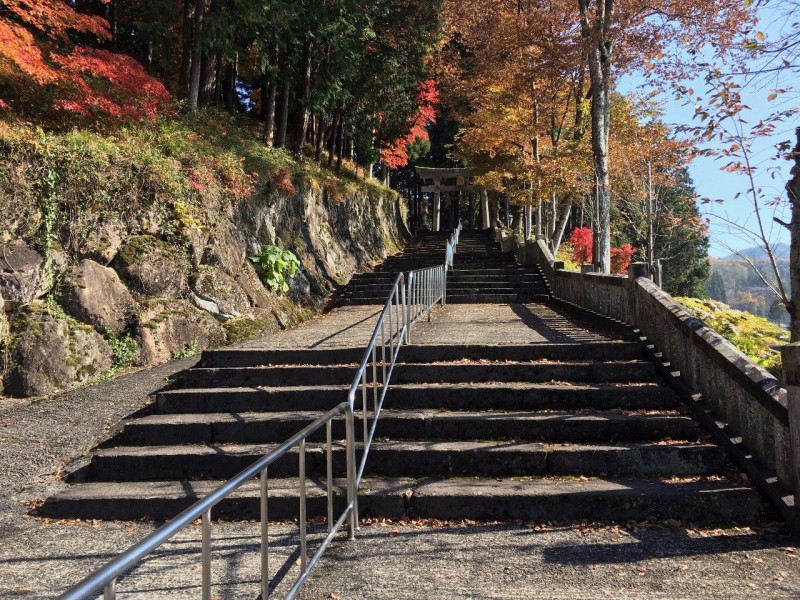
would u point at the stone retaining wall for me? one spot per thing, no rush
(746, 396)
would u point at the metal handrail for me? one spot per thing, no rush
(409, 299)
(375, 372)
(426, 287)
(105, 578)
(450, 247)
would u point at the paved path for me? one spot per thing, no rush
(40, 439)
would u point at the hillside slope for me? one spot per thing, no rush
(132, 247)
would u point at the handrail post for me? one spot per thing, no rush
(444, 285)
(264, 535)
(350, 448)
(410, 298)
(206, 555)
(405, 312)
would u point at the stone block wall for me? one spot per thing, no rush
(740, 392)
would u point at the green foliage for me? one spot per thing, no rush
(755, 336)
(566, 252)
(680, 236)
(125, 350)
(187, 351)
(716, 288)
(274, 266)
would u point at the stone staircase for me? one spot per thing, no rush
(373, 287)
(551, 432)
(567, 427)
(482, 273)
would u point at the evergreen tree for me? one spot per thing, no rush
(716, 288)
(680, 236)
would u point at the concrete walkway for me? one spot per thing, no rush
(42, 439)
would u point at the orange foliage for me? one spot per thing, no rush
(621, 258)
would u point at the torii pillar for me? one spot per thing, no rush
(485, 222)
(461, 175)
(437, 208)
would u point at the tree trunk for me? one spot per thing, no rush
(186, 55)
(793, 188)
(337, 118)
(301, 127)
(111, 17)
(319, 139)
(561, 227)
(340, 145)
(197, 55)
(208, 78)
(268, 92)
(230, 86)
(286, 88)
(600, 76)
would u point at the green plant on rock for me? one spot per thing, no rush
(275, 266)
(124, 348)
(187, 351)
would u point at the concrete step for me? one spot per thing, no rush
(562, 427)
(596, 351)
(408, 373)
(701, 502)
(594, 500)
(162, 500)
(509, 298)
(520, 396)
(374, 301)
(414, 459)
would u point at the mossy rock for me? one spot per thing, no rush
(95, 295)
(50, 351)
(244, 329)
(167, 329)
(218, 293)
(152, 267)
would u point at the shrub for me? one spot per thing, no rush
(582, 245)
(125, 350)
(274, 266)
(621, 258)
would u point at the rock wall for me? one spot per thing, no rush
(145, 288)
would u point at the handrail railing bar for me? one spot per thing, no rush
(301, 469)
(364, 409)
(318, 554)
(329, 473)
(130, 558)
(408, 300)
(368, 439)
(374, 374)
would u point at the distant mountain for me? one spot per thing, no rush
(781, 252)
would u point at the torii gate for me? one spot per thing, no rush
(462, 177)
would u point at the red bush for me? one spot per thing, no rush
(581, 242)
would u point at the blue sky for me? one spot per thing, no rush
(732, 217)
